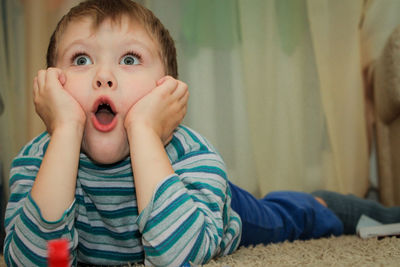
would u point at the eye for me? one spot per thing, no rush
(130, 59)
(80, 60)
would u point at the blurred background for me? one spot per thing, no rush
(279, 87)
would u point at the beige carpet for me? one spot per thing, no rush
(341, 251)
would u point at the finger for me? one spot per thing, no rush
(185, 98)
(179, 114)
(184, 110)
(53, 77)
(168, 85)
(35, 94)
(181, 90)
(163, 79)
(41, 79)
(35, 86)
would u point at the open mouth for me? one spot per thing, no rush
(104, 115)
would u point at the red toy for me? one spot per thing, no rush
(58, 253)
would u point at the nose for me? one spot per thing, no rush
(104, 79)
(100, 84)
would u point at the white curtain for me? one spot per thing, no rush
(262, 91)
(276, 85)
(287, 120)
(207, 36)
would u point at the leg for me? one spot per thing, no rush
(349, 209)
(281, 216)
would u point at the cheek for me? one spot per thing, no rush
(136, 90)
(75, 88)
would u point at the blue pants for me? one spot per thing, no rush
(281, 216)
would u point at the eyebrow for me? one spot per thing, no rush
(79, 42)
(130, 40)
(124, 43)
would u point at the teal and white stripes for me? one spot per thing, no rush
(188, 219)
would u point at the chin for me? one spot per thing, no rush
(105, 154)
(106, 160)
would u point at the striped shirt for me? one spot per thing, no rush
(189, 218)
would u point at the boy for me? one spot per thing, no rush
(119, 178)
(110, 92)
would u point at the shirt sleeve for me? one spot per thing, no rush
(27, 232)
(189, 217)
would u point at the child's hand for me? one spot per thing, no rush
(55, 106)
(161, 110)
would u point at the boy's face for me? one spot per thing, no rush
(107, 71)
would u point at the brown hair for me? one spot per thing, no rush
(99, 10)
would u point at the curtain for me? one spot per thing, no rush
(276, 85)
(12, 96)
(287, 121)
(25, 29)
(312, 110)
(264, 92)
(13, 120)
(41, 17)
(336, 39)
(208, 40)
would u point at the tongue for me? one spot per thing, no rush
(104, 117)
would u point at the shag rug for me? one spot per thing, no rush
(334, 251)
